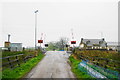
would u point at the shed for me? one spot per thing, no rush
(15, 46)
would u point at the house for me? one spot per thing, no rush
(93, 44)
(112, 46)
(15, 46)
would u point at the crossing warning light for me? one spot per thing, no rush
(40, 41)
(46, 45)
(73, 42)
(67, 45)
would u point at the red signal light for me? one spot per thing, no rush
(73, 42)
(40, 41)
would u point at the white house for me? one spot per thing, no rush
(93, 44)
(112, 46)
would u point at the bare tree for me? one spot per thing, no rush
(58, 45)
(62, 42)
(52, 46)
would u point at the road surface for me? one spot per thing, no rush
(53, 65)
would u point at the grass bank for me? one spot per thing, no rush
(24, 68)
(74, 67)
(105, 59)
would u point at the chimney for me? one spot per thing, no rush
(103, 39)
(81, 40)
(8, 37)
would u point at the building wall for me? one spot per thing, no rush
(16, 47)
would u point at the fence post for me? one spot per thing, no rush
(10, 62)
(118, 76)
(23, 59)
(18, 60)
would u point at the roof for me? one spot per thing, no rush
(112, 43)
(94, 41)
(16, 43)
(91, 42)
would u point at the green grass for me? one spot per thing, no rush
(79, 74)
(21, 71)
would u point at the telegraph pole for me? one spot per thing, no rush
(35, 28)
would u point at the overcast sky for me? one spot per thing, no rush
(88, 19)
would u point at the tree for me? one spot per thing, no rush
(62, 43)
(58, 45)
(52, 46)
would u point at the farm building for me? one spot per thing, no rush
(113, 46)
(15, 46)
(93, 44)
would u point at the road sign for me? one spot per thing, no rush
(40, 41)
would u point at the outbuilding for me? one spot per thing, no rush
(15, 46)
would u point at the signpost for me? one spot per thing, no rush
(72, 41)
(40, 41)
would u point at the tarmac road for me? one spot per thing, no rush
(53, 65)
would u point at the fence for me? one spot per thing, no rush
(103, 71)
(14, 61)
(106, 62)
(83, 66)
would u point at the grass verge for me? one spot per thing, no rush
(24, 68)
(74, 67)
